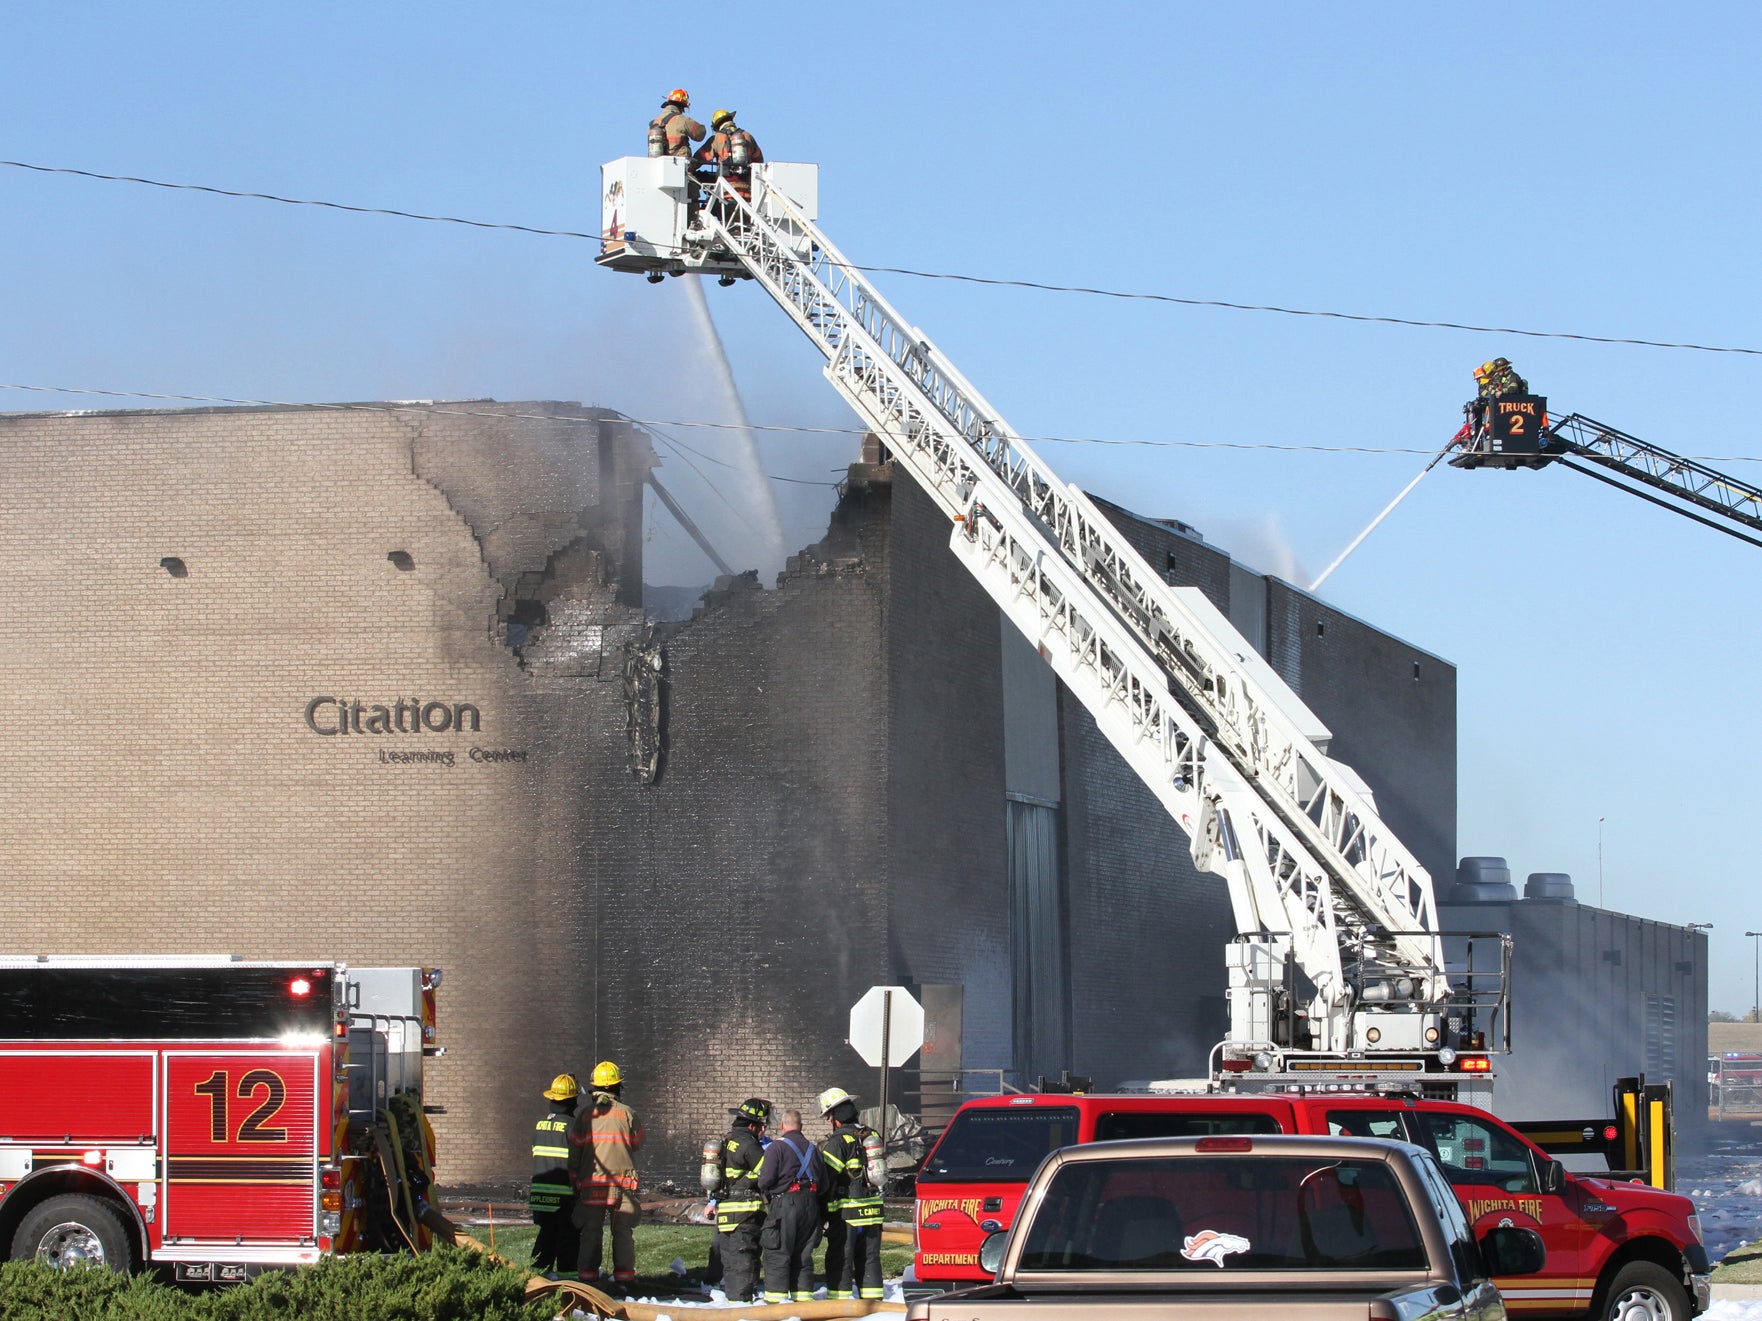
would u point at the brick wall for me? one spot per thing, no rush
(829, 813)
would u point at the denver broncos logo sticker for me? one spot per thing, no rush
(1209, 1245)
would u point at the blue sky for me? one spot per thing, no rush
(1564, 167)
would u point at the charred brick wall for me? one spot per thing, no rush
(829, 812)
(951, 909)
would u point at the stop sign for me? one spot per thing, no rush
(892, 1008)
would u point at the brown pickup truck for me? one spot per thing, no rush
(1301, 1228)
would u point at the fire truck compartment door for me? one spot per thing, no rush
(241, 1144)
(90, 1097)
(127, 1166)
(15, 1163)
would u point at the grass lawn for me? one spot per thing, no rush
(656, 1248)
(1740, 1266)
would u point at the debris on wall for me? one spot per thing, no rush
(645, 703)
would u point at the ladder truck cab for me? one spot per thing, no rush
(1338, 963)
(212, 1115)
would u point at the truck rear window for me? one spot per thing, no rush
(1178, 1124)
(999, 1146)
(1204, 1213)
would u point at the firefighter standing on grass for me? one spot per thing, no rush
(853, 1201)
(552, 1195)
(603, 1142)
(790, 1182)
(740, 1210)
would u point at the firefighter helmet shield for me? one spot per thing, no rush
(833, 1096)
(680, 97)
(754, 1110)
(563, 1088)
(607, 1074)
(720, 118)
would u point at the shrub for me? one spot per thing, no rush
(444, 1285)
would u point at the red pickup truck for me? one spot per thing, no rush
(1614, 1249)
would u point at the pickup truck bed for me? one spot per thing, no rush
(1290, 1227)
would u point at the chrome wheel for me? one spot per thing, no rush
(70, 1244)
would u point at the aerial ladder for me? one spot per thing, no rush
(1515, 432)
(1338, 961)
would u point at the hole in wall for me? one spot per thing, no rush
(175, 567)
(402, 560)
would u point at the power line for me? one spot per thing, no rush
(998, 282)
(654, 423)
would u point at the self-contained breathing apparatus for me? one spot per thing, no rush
(755, 1113)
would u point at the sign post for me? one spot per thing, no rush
(886, 1029)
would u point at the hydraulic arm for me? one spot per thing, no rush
(1338, 950)
(1685, 486)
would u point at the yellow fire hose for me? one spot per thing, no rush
(570, 1294)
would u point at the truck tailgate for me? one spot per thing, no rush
(1191, 1306)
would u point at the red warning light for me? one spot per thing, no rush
(1225, 1144)
(1610, 1132)
(300, 986)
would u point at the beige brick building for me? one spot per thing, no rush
(688, 846)
(259, 697)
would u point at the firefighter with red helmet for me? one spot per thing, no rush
(552, 1195)
(672, 132)
(852, 1157)
(603, 1142)
(740, 1210)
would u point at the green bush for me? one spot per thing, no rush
(444, 1285)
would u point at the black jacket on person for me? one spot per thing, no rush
(792, 1164)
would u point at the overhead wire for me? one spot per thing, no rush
(995, 281)
(682, 423)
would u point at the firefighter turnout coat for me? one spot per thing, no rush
(738, 1199)
(603, 1142)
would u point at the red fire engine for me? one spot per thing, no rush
(214, 1115)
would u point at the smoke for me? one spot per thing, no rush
(1259, 543)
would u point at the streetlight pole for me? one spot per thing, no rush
(1756, 1012)
(1599, 862)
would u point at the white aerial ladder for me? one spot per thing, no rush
(1338, 961)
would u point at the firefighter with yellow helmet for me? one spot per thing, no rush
(740, 1210)
(852, 1155)
(603, 1142)
(552, 1195)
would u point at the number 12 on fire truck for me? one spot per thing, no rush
(212, 1114)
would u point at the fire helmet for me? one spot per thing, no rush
(720, 118)
(607, 1074)
(680, 97)
(563, 1088)
(833, 1096)
(1485, 369)
(755, 1110)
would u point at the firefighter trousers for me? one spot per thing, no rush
(853, 1258)
(555, 1247)
(792, 1230)
(740, 1258)
(591, 1220)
